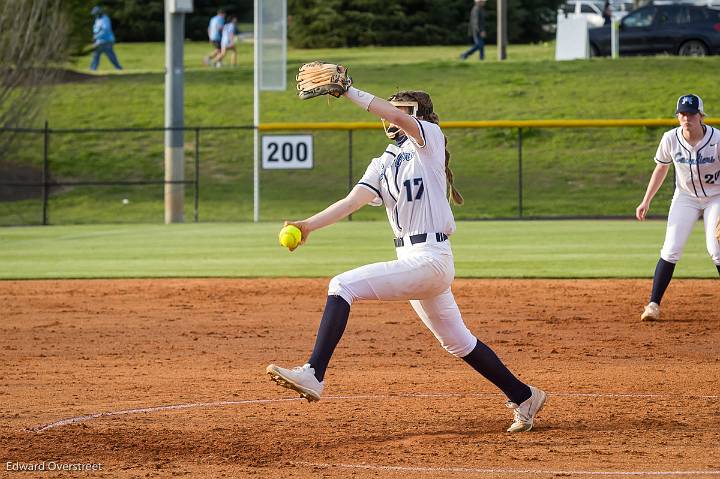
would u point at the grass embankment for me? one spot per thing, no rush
(565, 172)
(547, 249)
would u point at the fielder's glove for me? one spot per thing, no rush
(717, 230)
(321, 78)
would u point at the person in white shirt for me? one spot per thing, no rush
(693, 149)
(412, 179)
(227, 42)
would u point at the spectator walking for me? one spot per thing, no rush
(215, 28)
(228, 40)
(607, 13)
(103, 39)
(476, 30)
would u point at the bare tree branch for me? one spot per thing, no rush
(33, 50)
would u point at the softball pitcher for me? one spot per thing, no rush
(412, 179)
(693, 149)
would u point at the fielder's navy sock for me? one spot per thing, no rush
(663, 274)
(332, 325)
(486, 362)
(718, 268)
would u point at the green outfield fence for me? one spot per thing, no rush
(533, 169)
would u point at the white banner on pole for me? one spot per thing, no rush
(269, 72)
(272, 44)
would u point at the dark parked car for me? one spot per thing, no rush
(676, 29)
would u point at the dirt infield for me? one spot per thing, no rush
(626, 398)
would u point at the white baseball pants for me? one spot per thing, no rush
(422, 274)
(685, 210)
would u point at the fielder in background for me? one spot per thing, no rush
(413, 180)
(693, 149)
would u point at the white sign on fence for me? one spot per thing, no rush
(571, 38)
(281, 152)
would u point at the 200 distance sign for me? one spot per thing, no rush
(287, 152)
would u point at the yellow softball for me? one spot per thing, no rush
(290, 237)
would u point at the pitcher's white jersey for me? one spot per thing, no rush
(697, 169)
(410, 181)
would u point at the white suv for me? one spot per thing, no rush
(592, 10)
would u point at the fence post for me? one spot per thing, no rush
(197, 172)
(520, 178)
(350, 174)
(45, 174)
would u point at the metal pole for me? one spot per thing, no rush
(520, 178)
(615, 37)
(45, 174)
(256, 113)
(350, 174)
(197, 172)
(502, 35)
(174, 154)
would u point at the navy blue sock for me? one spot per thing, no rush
(332, 326)
(663, 274)
(486, 362)
(718, 268)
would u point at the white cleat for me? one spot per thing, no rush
(651, 313)
(525, 413)
(301, 379)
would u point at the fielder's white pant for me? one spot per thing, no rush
(685, 210)
(422, 274)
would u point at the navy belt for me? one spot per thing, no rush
(420, 238)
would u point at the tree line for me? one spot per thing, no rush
(350, 23)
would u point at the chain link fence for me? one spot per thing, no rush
(81, 176)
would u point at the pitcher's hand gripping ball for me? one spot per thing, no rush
(321, 78)
(290, 237)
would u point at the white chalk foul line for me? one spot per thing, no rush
(473, 470)
(374, 397)
(171, 407)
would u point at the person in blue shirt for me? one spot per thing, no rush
(103, 39)
(215, 29)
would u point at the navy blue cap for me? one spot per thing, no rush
(689, 104)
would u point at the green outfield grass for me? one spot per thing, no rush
(528, 85)
(527, 249)
(591, 172)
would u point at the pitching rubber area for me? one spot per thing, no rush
(158, 378)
